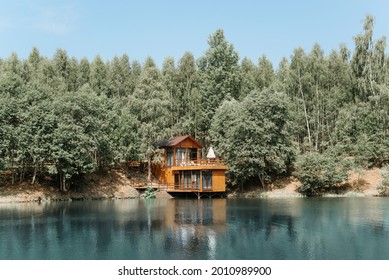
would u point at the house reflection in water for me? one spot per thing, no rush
(194, 224)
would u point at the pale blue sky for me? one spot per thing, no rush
(169, 28)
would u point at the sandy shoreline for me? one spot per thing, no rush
(113, 185)
(362, 184)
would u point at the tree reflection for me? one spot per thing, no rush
(197, 229)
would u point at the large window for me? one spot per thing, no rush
(186, 156)
(207, 180)
(169, 157)
(181, 156)
(196, 179)
(189, 179)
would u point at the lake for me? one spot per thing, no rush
(275, 229)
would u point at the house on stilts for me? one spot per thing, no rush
(186, 172)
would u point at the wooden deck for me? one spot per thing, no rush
(180, 191)
(156, 186)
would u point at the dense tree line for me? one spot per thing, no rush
(63, 117)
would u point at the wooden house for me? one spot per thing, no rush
(185, 171)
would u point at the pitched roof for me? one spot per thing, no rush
(177, 140)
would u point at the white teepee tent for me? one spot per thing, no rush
(211, 153)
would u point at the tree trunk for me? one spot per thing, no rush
(262, 180)
(371, 80)
(305, 112)
(13, 173)
(62, 181)
(34, 175)
(149, 169)
(318, 119)
(21, 176)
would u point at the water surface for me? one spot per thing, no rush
(300, 228)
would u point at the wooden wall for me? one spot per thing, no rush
(218, 181)
(169, 177)
(159, 172)
(187, 143)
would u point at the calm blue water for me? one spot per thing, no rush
(332, 228)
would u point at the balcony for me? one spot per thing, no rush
(198, 164)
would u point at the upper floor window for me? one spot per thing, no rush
(193, 154)
(181, 156)
(169, 157)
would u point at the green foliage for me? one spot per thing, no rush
(120, 77)
(151, 106)
(220, 77)
(249, 73)
(65, 117)
(319, 172)
(149, 193)
(187, 100)
(252, 136)
(76, 135)
(99, 78)
(265, 75)
(383, 187)
(362, 128)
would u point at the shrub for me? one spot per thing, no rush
(319, 172)
(383, 187)
(149, 193)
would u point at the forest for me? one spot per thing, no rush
(314, 115)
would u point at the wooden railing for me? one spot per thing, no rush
(199, 162)
(189, 187)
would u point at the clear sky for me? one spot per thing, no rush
(85, 28)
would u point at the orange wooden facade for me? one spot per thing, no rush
(185, 170)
